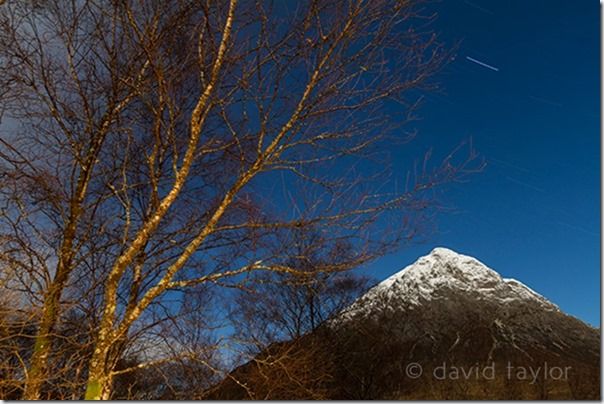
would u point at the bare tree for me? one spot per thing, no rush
(283, 347)
(285, 306)
(153, 147)
(176, 359)
(67, 88)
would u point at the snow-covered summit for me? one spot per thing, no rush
(445, 274)
(444, 265)
(451, 308)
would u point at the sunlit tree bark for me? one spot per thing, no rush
(153, 147)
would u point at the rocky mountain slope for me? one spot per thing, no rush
(445, 327)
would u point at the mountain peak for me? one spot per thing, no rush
(443, 265)
(444, 252)
(446, 274)
(445, 311)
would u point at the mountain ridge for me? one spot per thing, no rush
(446, 309)
(442, 268)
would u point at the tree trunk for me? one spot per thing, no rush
(98, 386)
(37, 373)
(38, 368)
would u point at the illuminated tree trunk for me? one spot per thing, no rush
(38, 367)
(37, 373)
(99, 382)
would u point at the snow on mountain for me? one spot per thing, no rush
(445, 274)
(446, 309)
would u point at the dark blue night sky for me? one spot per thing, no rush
(534, 212)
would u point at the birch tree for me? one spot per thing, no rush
(152, 147)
